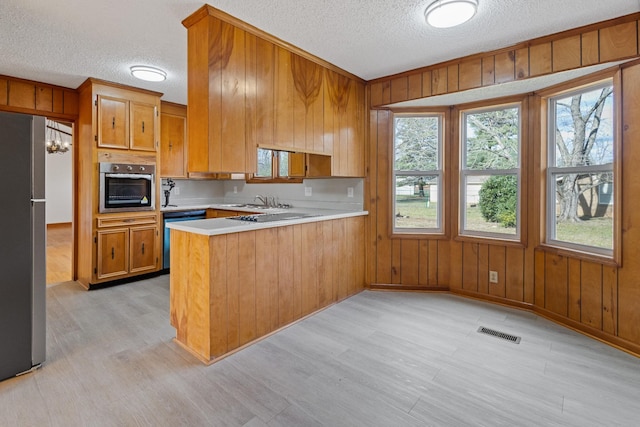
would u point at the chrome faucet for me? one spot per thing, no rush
(263, 199)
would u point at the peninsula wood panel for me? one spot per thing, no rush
(593, 44)
(247, 285)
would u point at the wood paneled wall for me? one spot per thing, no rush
(608, 41)
(600, 299)
(24, 96)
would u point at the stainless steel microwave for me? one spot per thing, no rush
(127, 187)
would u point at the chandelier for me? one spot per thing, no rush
(55, 141)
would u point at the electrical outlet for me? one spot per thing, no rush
(349, 191)
(176, 190)
(493, 277)
(307, 191)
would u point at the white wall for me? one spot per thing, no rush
(59, 185)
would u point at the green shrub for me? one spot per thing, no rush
(498, 199)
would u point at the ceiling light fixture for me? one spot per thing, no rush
(449, 13)
(149, 74)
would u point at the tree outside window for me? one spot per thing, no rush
(580, 179)
(490, 172)
(417, 173)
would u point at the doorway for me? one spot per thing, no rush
(59, 196)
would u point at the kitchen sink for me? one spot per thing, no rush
(282, 216)
(254, 206)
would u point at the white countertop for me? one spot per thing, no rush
(215, 226)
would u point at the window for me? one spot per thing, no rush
(417, 173)
(580, 172)
(490, 172)
(278, 166)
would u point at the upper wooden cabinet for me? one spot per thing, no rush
(173, 139)
(113, 122)
(124, 118)
(247, 89)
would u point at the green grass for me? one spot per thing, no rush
(414, 213)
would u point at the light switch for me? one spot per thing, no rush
(307, 191)
(349, 191)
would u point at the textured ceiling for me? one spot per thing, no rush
(63, 42)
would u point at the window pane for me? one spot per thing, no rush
(416, 202)
(416, 143)
(584, 128)
(584, 209)
(283, 163)
(264, 162)
(491, 203)
(492, 139)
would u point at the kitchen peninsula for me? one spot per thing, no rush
(234, 282)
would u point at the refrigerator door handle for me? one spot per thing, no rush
(38, 200)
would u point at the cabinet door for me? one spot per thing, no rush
(113, 124)
(143, 249)
(113, 253)
(172, 139)
(143, 126)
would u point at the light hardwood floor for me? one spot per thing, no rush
(59, 250)
(376, 359)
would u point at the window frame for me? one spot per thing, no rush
(440, 230)
(519, 172)
(275, 177)
(547, 224)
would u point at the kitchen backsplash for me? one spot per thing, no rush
(324, 193)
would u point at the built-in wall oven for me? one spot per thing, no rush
(127, 187)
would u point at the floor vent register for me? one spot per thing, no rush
(498, 334)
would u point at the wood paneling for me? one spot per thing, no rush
(470, 266)
(44, 98)
(497, 263)
(590, 49)
(591, 295)
(22, 95)
(3, 92)
(597, 43)
(566, 53)
(414, 89)
(505, 66)
(619, 41)
(470, 74)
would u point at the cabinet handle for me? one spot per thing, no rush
(143, 249)
(143, 126)
(113, 123)
(170, 145)
(113, 253)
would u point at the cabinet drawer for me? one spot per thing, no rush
(126, 220)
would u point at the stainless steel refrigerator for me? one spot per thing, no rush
(22, 243)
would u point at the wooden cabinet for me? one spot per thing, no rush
(173, 140)
(124, 250)
(223, 213)
(113, 253)
(247, 89)
(305, 165)
(142, 249)
(118, 124)
(126, 124)
(344, 123)
(143, 125)
(113, 123)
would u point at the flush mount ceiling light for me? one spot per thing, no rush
(149, 74)
(449, 13)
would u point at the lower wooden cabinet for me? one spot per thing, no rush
(113, 253)
(142, 249)
(124, 251)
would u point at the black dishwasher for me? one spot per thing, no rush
(175, 216)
